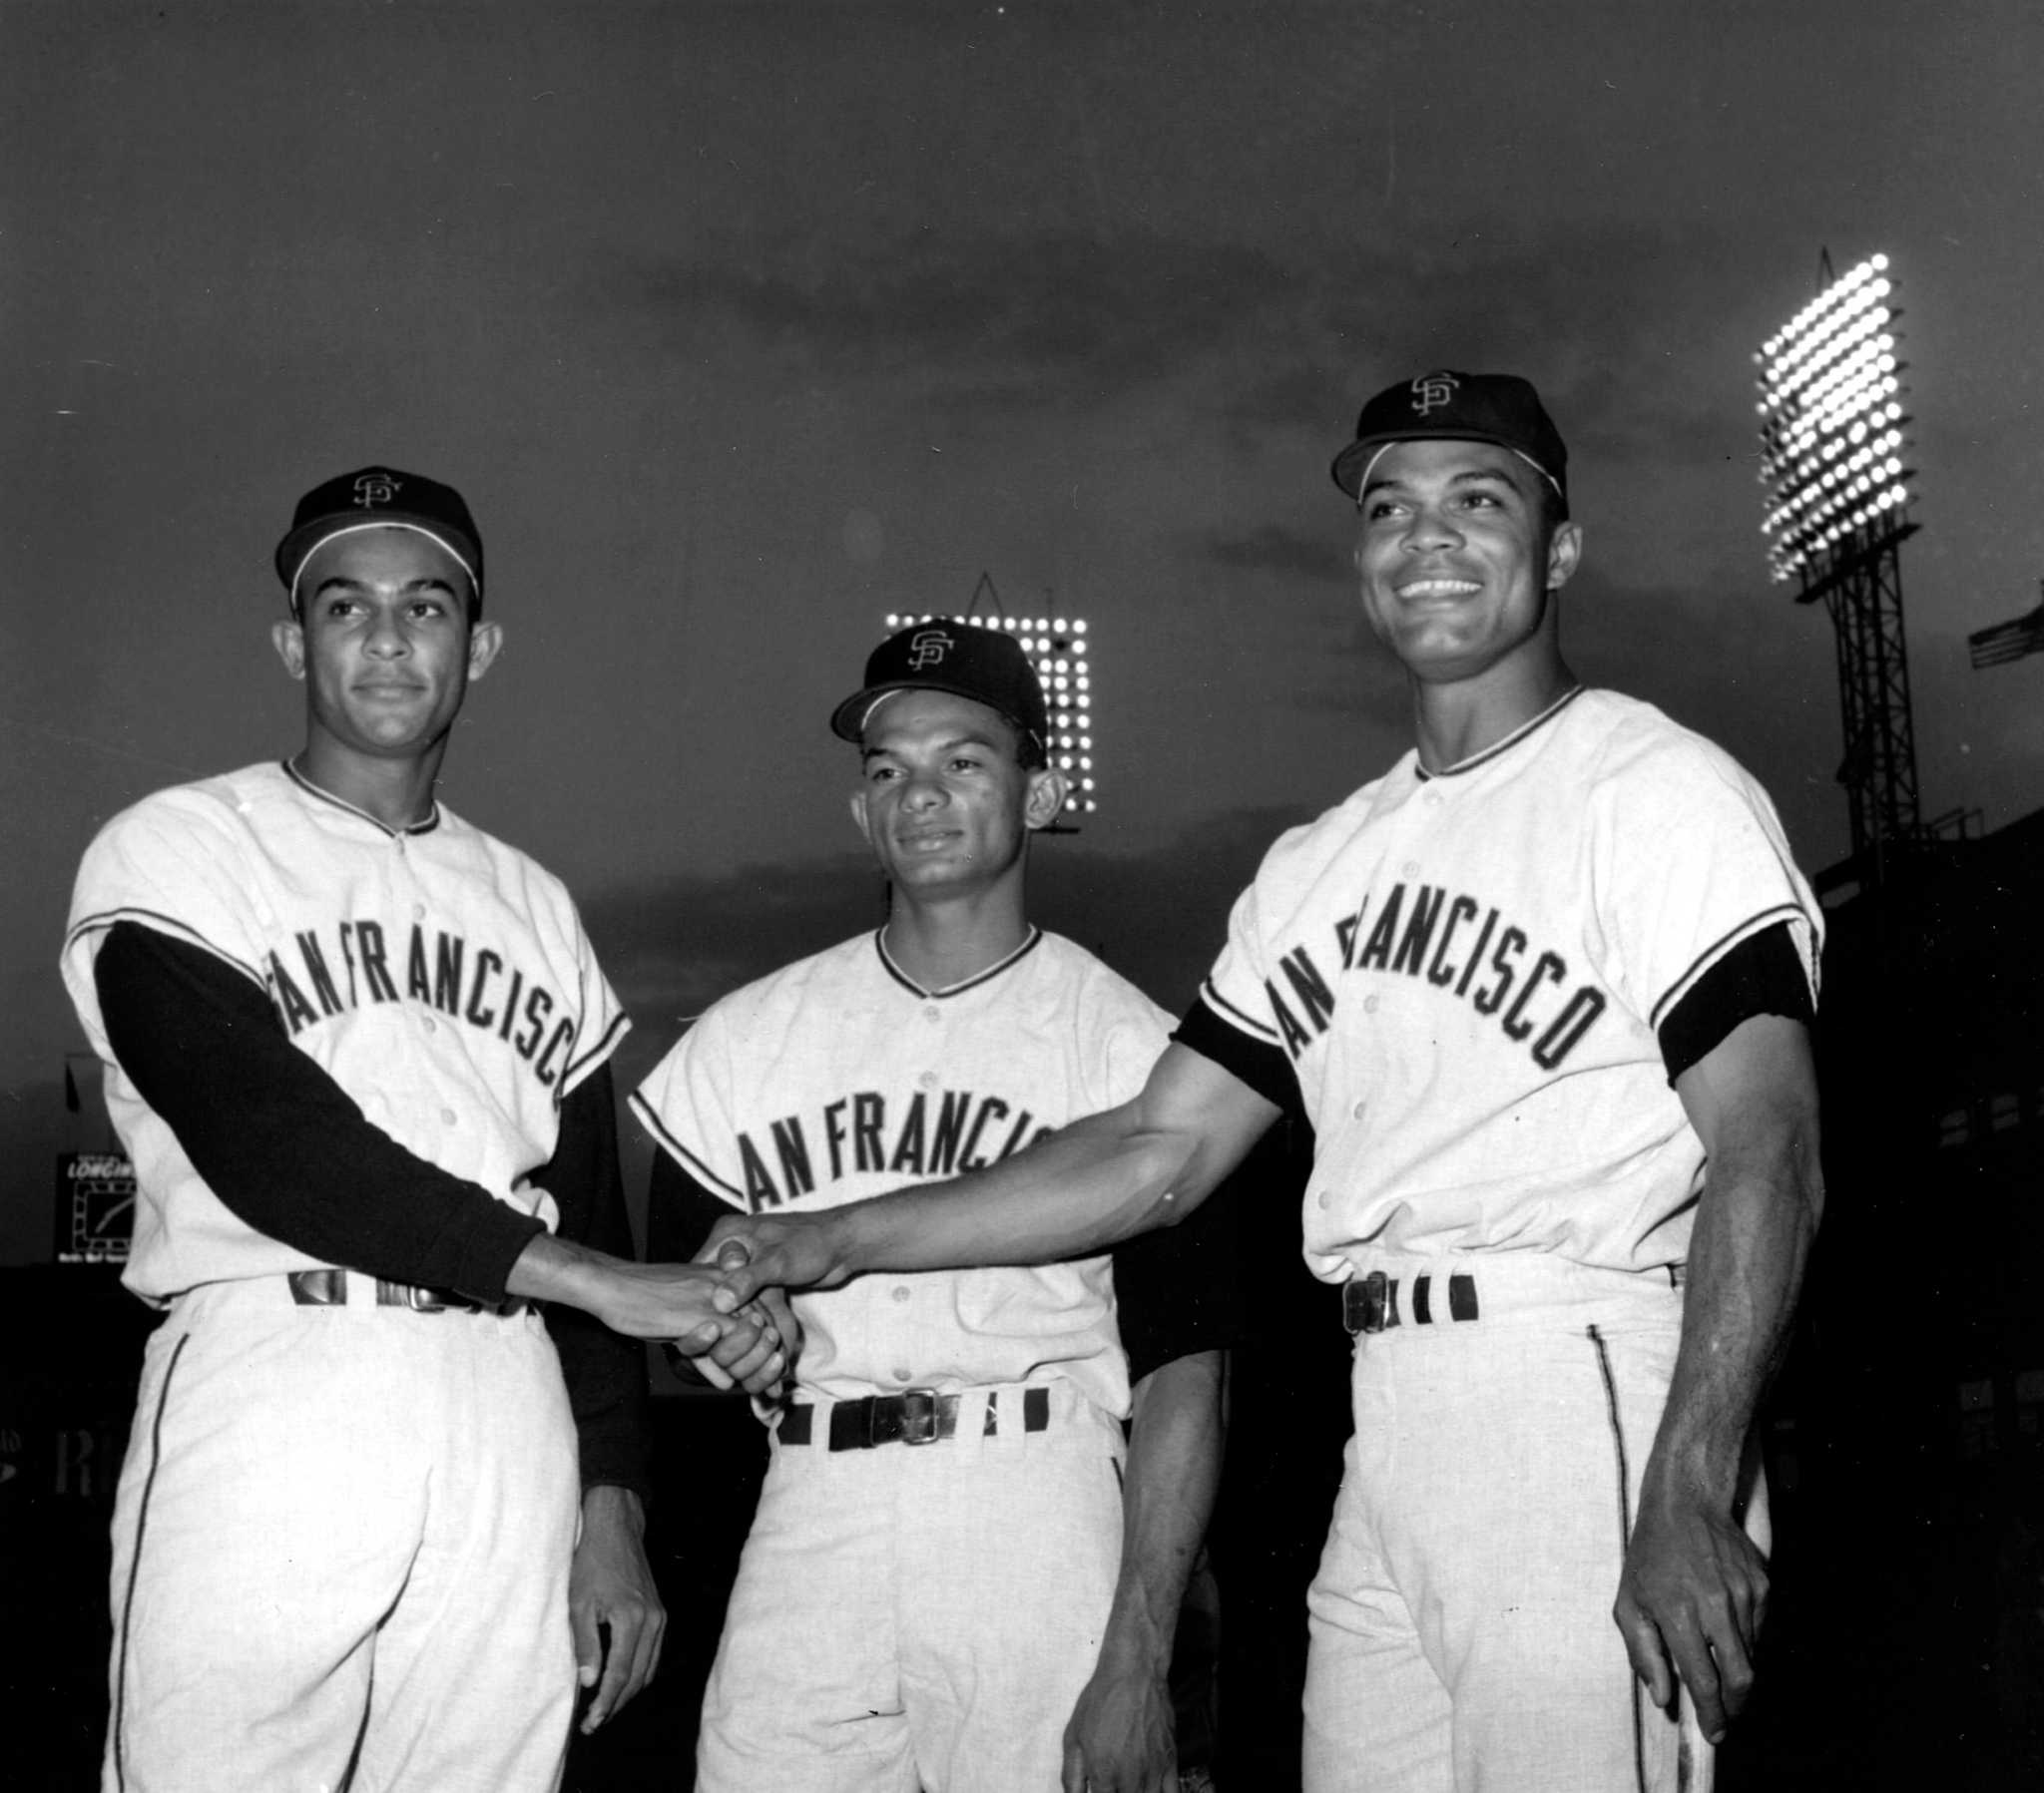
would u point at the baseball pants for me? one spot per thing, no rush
(1460, 1621)
(919, 1615)
(341, 1544)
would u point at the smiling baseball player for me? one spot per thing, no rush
(1544, 990)
(944, 1584)
(358, 1051)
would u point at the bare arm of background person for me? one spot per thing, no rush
(611, 1584)
(1100, 1180)
(1121, 1737)
(1694, 1593)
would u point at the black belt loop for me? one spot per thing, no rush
(1422, 1306)
(1462, 1298)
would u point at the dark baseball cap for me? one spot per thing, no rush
(381, 498)
(1466, 407)
(985, 665)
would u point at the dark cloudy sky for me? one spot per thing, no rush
(741, 325)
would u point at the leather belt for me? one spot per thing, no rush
(917, 1416)
(1370, 1303)
(329, 1288)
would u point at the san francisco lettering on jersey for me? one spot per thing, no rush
(1457, 946)
(364, 962)
(931, 1134)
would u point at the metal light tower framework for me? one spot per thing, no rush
(1062, 652)
(1837, 495)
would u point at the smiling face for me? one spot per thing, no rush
(1457, 557)
(385, 647)
(943, 798)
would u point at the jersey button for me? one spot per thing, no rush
(1369, 1004)
(900, 1294)
(418, 912)
(1413, 868)
(928, 1079)
(1323, 1198)
(933, 1013)
(447, 1114)
(432, 1027)
(1357, 1111)
(903, 1375)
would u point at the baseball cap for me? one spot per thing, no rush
(381, 498)
(1471, 407)
(964, 659)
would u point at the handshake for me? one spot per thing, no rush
(739, 1330)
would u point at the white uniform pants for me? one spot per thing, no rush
(1461, 1630)
(342, 1545)
(918, 1615)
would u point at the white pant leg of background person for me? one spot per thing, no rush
(1486, 1507)
(918, 1615)
(285, 1470)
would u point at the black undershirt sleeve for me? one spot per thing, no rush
(605, 1373)
(279, 1143)
(1261, 1066)
(1762, 975)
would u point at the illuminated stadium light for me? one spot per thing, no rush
(1830, 415)
(1060, 651)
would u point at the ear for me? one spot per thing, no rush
(485, 642)
(289, 638)
(1047, 793)
(1564, 554)
(859, 812)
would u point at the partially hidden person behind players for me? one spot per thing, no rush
(358, 1051)
(946, 1583)
(1544, 988)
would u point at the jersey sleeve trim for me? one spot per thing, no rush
(105, 919)
(1260, 1031)
(1779, 912)
(607, 1044)
(648, 1118)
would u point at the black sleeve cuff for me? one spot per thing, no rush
(1179, 1291)
(1762, 975)
(1261, 1064)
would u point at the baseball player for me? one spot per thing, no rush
(357, 1052)
(935, 1591)
(1543, 989)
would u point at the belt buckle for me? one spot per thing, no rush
(918, 1416)
(1370, 1303)
(423, 1300)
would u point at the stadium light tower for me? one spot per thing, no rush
(1060, 649)
(1832, 448)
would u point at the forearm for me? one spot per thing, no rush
(1173, 1473)
(1100, 1180)
(1754, 1224)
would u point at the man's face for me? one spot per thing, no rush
(384, 646)
(1456, 560)
(942, 797)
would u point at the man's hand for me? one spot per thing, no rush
(781, 1251)
(756, 1354)
(1690, 1603)
(611, 1585)
(1122, 1737)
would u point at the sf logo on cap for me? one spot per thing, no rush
(928, 648)
(373, 489)
(1433, 390)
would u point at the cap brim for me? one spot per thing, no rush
(303, 542)
(848, 719)
(1354, 461)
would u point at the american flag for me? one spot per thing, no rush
(2005, 642)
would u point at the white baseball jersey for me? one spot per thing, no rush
(839, 1078)
(439, 976)
(1467, 969)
